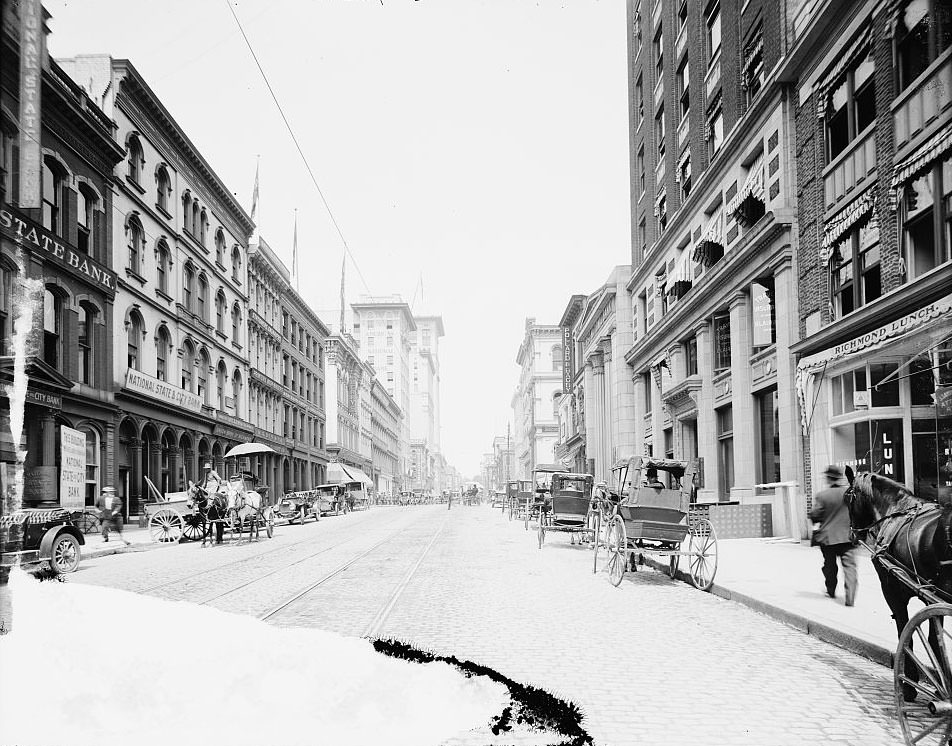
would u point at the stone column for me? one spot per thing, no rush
(638, 386)
(48, 498)
(791, 443)
(598, 403)
(172, 454)
(136, 482)
(745, 446)
(611, 423)
(706, 424)
(588, 426)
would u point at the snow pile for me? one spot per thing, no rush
(90, 665)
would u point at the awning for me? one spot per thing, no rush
(749, 56)
(932, 149)
(930, 323)
(713, 110)
(855, 50)
(338, 473)
(683, 276)
(753, 187)
(713, 236)
(845, 219)
(657, 203)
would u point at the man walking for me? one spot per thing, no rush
(110, 514)
(833, 533)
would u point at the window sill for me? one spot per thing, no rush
(162, 211)
(221, 266)
(135, 276)
(135, 184)
(163, 295)
(221, 335)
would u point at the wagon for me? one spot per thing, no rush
(170, 519)
(638, 518)
(540, 488)
(31, 536)
(569, 509)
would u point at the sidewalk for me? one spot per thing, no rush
(138, 538)
(782, 579)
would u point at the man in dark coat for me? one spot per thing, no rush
(833, 533)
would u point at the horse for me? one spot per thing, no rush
(914, 533)
(211, 508)
(244, 505)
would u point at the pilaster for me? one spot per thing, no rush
(745, 446)
(706, 435)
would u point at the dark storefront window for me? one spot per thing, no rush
(768, 410)
(883, 394)
(725, 449)
(871, 445)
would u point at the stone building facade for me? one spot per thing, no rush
(345, 374)
(387, 420)
(536, 428)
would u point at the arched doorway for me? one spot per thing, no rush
(204, 455)
(128, 466)
(286, 473)
(168, 459)
(151, 462)
(186, 459)
(218, 459)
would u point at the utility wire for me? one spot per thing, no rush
(307, 165)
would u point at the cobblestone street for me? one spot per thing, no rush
(653, 659)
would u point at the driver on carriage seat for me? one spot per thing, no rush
(212, 484)
(651, 478)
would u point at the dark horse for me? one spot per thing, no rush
(211, 510)
(910, 531)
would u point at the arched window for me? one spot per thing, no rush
(162, 346)
(8, 139)
(221, 385)
(202, 309)
(53, 180)
(220, 247)
(220, 304)
(135, 327)
(236, 264)
(92, 464)
(163, 266)
(136, 159)
(186, 211)
(203, 366)
(196, 212)
(136, 243)
(236, 391)
(6, 307)
(236, 324)
(85, 213)
(188, 278)
(52, 327)
(163, 189)
(188, 363)
(86, 346)
(203, 228)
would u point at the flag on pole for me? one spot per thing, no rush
(294, 257)
(343, 266)
(254, 194)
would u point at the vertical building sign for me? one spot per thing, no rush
(763, 323)
(72, 468)
(568, 359)
(31, 75)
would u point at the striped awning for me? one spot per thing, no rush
(657, 203)
(713, 109)
(845, 61)
(845, 219)
(749, 56)
(713, 235)
(920, 160)
(753, 187)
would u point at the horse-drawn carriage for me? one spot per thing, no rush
(643, 515)
(539, 490)
(569, 507)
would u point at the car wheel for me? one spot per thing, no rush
(65, 554)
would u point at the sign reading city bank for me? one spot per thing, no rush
(162, 390)
(44, 243)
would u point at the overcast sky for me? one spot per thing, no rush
(480, 145)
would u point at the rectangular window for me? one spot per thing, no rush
(639, 102)
(854, 269)
(926, 214)
(659, 131)
(851, 106)
(716, 132)
(642, 179)
(923, 31)
(713, 25)
(764, 313)
(871, 445)
(648, 383)
(722, 343)
(684, 90)
(658, 48)
(725, 449)
(690, 356)
(643, 236)
(684, 176)
(768, 410)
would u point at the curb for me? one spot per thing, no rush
(97, 550)
(830, 635)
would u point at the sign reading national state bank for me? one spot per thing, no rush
(162, 390)
(45, 243)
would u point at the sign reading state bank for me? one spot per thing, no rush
(162, 390)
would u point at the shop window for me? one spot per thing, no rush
(722, 343)
(855, 275)
(927, 220)
(932, 459)
(52, 327)
(923, 31)
(92, 464)
(690, 356)
(725, 448)
(768, 411)
(135, 327)
(843, 388)
(851, 106)
(883, 394)
(87, 315)
(871, 445)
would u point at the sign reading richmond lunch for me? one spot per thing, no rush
(162, 390)
(46, 244)
(72, 468)
(899, 326)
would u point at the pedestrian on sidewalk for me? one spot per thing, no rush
(110, 514)
(833, 534)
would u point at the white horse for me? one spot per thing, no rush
(244, 505)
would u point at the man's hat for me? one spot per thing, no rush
(108, 489)
(834, 472)
(208, 465)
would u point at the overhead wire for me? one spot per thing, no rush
(297, 145)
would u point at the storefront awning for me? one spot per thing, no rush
(713, 236)
(338, 473)
(920, 329)
(836, 227)
(920, 160)
(749, 56)
(855, 50)
(753, 187)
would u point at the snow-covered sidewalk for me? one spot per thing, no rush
(167, 670)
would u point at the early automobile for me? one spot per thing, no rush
(31, 536)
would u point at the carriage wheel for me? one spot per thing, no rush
(702, 551)
(923, 669)
(269, 522)
(195, 527)
(165, 525)
(89, 523)
(617, 546)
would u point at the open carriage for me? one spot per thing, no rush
(541, 490)
(647, 511)
(569, 509)
(518, 495)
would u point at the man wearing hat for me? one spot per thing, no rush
(110, 513)
(212, 483)
(833, 533)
